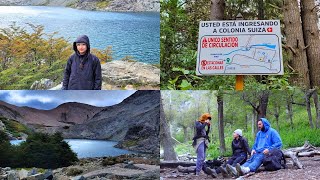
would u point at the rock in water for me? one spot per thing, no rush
(43, 84)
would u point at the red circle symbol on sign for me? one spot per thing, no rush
(204, 62)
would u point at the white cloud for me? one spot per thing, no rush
(20, 98)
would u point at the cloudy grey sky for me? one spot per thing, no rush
(51, 99)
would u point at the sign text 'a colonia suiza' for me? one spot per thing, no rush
(239, 48)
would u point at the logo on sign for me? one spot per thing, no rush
(204, 62)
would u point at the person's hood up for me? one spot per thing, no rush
(266, 124)
(82, 39)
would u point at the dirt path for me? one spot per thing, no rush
(310, 172)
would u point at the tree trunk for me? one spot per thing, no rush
(316, 105)
(261, 10)
(311, 38)
(276, 115)
(217, 9)
(289, 110)
(165, 137)
(263, 104)
(185, 132)
(247, 120)
(253, 123)
(295, 44)
(220, 123)
(308, 95)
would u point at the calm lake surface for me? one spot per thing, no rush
(90, 148)
(129, 34)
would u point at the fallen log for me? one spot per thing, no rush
(175, 164)
(294, 158)
(190, 169)
(306, 147)
(308, 154)
(187, 157)
(307, 150)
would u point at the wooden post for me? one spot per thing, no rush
(239, 82)
(239, 78)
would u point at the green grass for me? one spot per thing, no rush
(15, 127)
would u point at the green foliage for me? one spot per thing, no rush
(15, 127)
(27, 57)
(128, 59)
(74, 171)
(40, 150)
(102, 4)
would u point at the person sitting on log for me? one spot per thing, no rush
(240, 150)
(201, 140)
(266, 139)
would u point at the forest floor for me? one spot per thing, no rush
(311, 171)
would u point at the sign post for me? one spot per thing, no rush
(239, 47)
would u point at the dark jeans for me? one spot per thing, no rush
(241, 158)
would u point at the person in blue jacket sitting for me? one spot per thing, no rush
(266, 139)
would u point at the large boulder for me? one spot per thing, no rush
(35, 177)
(43, 84)
(124, 73)
(23, 173)
(12, 175)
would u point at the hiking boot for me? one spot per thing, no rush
(231, 170)
(212, 172)
(223, 172)
(242, 170)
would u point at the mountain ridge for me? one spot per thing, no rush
(106, 5)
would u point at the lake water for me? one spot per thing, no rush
(90, 148)
(129, 34)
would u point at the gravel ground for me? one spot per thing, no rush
(310, 172)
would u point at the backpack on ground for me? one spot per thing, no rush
(275, 160)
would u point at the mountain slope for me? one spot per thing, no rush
(134, 122)
(64, 115)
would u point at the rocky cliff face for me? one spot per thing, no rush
(106, 5)
(134, 122)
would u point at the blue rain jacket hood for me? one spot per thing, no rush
(267, 139)
(82, 72)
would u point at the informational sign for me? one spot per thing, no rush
(240, 48)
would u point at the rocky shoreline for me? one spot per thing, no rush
(93, 5)
(133, 166)
(118, 75)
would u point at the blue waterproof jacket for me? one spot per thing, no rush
(82, 72)
(267, 139)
